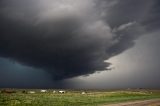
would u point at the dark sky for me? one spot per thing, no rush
(79, 43)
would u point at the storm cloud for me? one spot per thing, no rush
(70, 38)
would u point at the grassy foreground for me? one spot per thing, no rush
(74, 98)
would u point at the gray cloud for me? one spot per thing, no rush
(69, 38)
(137, 67)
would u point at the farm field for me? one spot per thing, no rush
(21, 97)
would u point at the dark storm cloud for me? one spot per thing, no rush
(146, 12)
(69, 38)
(15, 75)
(152, 21)
(129, 10)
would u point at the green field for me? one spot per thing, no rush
(74, 97)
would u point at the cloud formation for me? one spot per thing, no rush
(69, 38)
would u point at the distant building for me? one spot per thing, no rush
(8, 91)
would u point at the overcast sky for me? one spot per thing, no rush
(92, 44)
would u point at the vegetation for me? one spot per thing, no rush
(73, 98)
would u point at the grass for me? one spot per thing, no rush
(74, 98)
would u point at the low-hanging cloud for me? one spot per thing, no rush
(67, 38)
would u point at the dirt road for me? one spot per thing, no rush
(155, 102)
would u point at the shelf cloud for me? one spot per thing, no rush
(69, 38)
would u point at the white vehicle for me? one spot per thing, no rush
(61, 91)
(43, 91)
(83, 93)
(31, 92)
